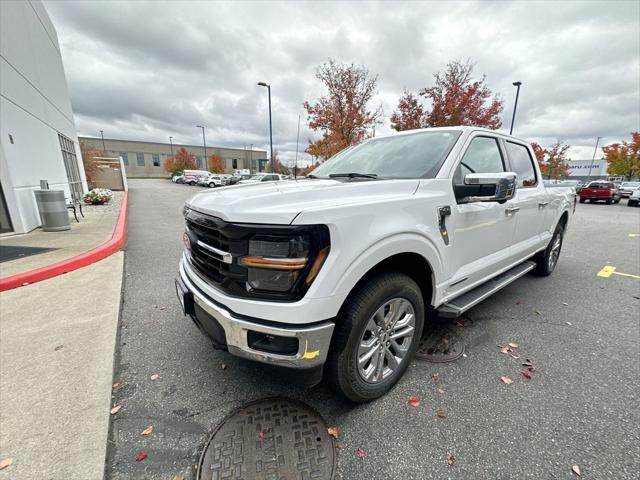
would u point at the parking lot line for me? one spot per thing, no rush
(609, 270)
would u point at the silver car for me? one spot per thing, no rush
(627, 187)
(634, 198)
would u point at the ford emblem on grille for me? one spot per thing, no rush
(186, 240)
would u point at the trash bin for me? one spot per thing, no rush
(52, 207)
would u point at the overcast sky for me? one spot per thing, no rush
(145, 71)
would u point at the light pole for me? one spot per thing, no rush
(171, 143)
(513, 118)
(250, 156)
(295, 168)
(104, 149)
(595, 150)
(204, 143)
(273, 165)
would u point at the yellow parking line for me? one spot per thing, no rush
(609, 270)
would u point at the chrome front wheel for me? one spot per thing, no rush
(386, 340)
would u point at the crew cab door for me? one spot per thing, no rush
(530, 203)
(480, 233)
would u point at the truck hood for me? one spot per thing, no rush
(281, 202)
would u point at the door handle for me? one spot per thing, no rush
(543, 204)
(511, 210)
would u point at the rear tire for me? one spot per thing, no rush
(608, 202)
(582, 199)
(547, 260)
(374, 326)
(631, 203)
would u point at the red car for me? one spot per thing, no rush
(599, 190)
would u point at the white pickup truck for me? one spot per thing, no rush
(336, 274)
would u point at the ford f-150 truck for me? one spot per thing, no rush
(336, 274)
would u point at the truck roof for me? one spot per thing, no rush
(459, 128)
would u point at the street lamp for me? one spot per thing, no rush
(104, 149)
(595, 150)
(204, 142)
(171, 143)
(273, 165)
(513, 119)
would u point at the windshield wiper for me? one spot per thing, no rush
(311, 175)
(353, 175)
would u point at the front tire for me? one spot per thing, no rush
(547, 260)
(582, 199)
(377, 333)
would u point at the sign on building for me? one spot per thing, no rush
(580, 168)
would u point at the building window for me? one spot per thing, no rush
(140, 159)
(199, 162)
(156, 160)
(71, 167)
(125, 158)
(234, 163)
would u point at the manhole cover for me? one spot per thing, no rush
(273, 439)
(439, 346)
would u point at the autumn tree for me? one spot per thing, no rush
(409, 115)
(216, 164)
(279, 166)
(181, 161)
(624, 159)
(89, 156)
(307, 170)
(553, 161)
(342, 114)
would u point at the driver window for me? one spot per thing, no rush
(482, 156)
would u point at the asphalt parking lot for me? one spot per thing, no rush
(581, 331)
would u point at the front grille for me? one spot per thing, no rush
(223, 236)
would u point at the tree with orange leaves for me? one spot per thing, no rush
(89, 161)
(553, 162)
(216, 164)
(181, 161)
(455, 99)
(624, 158)
(342, 114)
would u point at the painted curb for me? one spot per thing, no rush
(70, 264)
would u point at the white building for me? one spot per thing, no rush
(38, 138)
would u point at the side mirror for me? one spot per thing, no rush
(491, 187)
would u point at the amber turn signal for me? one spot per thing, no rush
(315, 268)
(274, 263)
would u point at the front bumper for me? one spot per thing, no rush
(213, 319)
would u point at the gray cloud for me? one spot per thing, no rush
(149, 70)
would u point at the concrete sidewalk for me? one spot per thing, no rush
(57, 343)
(93, 230)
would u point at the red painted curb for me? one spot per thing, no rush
(70, 264)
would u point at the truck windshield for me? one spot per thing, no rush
(414, 155)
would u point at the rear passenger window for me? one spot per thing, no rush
(522, 164)
(482, 156)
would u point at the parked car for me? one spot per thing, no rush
(177, 179)
(634, 198)
(191, 176)
(210, 180)
(600, 191)
(232, 180)
(264, 177)
(336, 272)
(627, 187)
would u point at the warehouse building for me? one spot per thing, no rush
(38, 138)
(146, 159)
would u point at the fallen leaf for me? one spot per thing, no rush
(124, 323)
(450, 457)
(576, 469)
(141, 456)
(439, 390)
(464, 355)
(115, 409)
(569, 323)
(147, 430)
(514, 356)
(223, 366)
(435, 377)
(565, 304)
(360, 452)
(59, 347)
(527, 363)
(537, 312)
(526, 375)
(117, 385)
(504, 348)
(339, 445)
(5, 462)
(162, 308)
(333, 431)
(442, 414)
(518, 302)
(260, 435)
(413, 401)
(506, 380)
(179, 477)
(513, 345)
(155, 376)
